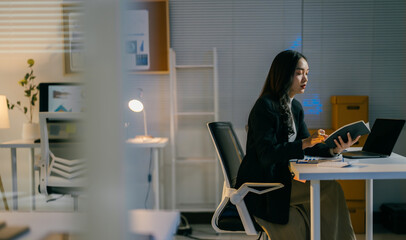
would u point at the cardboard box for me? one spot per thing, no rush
(357, 214)
(348, 109)
(353, 189)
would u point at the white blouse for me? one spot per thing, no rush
(293, 136)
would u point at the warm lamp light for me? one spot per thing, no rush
(4, 120)
(137, 106)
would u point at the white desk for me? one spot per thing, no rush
(13, 145)
(43, 223)
(393, 167)
(155, 144)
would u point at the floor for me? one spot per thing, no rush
(206, 232)
(199, 231)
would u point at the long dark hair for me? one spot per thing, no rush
(279, 81)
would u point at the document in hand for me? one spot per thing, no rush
(355, 129)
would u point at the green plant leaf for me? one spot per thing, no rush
(28, 93)
(18, 102)
(30, 62)
(26, 76)
(12, 107)
(22, 82)
(34, 99)
(25, 110)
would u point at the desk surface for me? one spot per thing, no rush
(152, 143)
(393, 167)
(20, 143)
(43, 223)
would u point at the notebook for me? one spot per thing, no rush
(381, 140)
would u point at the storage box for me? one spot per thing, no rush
(348, 109)
(357, 214)
(353, 189)
(393, 217)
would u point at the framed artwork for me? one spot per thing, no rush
(137, 55)
(72, 38)
(148, 34)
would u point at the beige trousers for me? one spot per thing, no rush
(335, 218)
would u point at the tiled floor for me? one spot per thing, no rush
(199, 231)
(206, 232)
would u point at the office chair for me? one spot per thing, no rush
(232, 214)
(61, 169)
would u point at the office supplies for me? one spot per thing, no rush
(380, 141)
(335, 164)
(315, 160)
(355, 129)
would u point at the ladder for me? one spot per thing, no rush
(181, 113)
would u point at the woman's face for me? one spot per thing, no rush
(299, 78)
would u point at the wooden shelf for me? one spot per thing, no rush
(194, 66)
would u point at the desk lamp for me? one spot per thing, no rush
(137, 106)
(4, 123)
(4, 120)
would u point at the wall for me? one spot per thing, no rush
(353, 47)
(248, 34)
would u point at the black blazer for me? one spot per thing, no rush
(267, 157)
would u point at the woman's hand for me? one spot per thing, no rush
(315, 138)
(341, 145)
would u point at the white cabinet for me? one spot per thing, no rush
(194, 166)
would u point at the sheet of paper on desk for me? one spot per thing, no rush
(336, 164)
(315, 160)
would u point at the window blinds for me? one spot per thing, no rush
(35, 26)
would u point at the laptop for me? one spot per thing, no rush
(381, 140)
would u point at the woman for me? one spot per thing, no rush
(277, 133)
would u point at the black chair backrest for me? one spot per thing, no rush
(228, 148)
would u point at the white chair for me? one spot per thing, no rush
(62, 170)
(232, 214)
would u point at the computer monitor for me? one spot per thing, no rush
(61, 97)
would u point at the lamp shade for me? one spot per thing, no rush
(4, 120)
(136, 105)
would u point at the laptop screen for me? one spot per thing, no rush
(383, 136)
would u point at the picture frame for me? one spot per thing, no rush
(158, 35)
(72, 38)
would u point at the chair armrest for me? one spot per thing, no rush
(237, 196)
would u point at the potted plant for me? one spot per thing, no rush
(31, 91)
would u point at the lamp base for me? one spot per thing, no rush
(143, 137)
